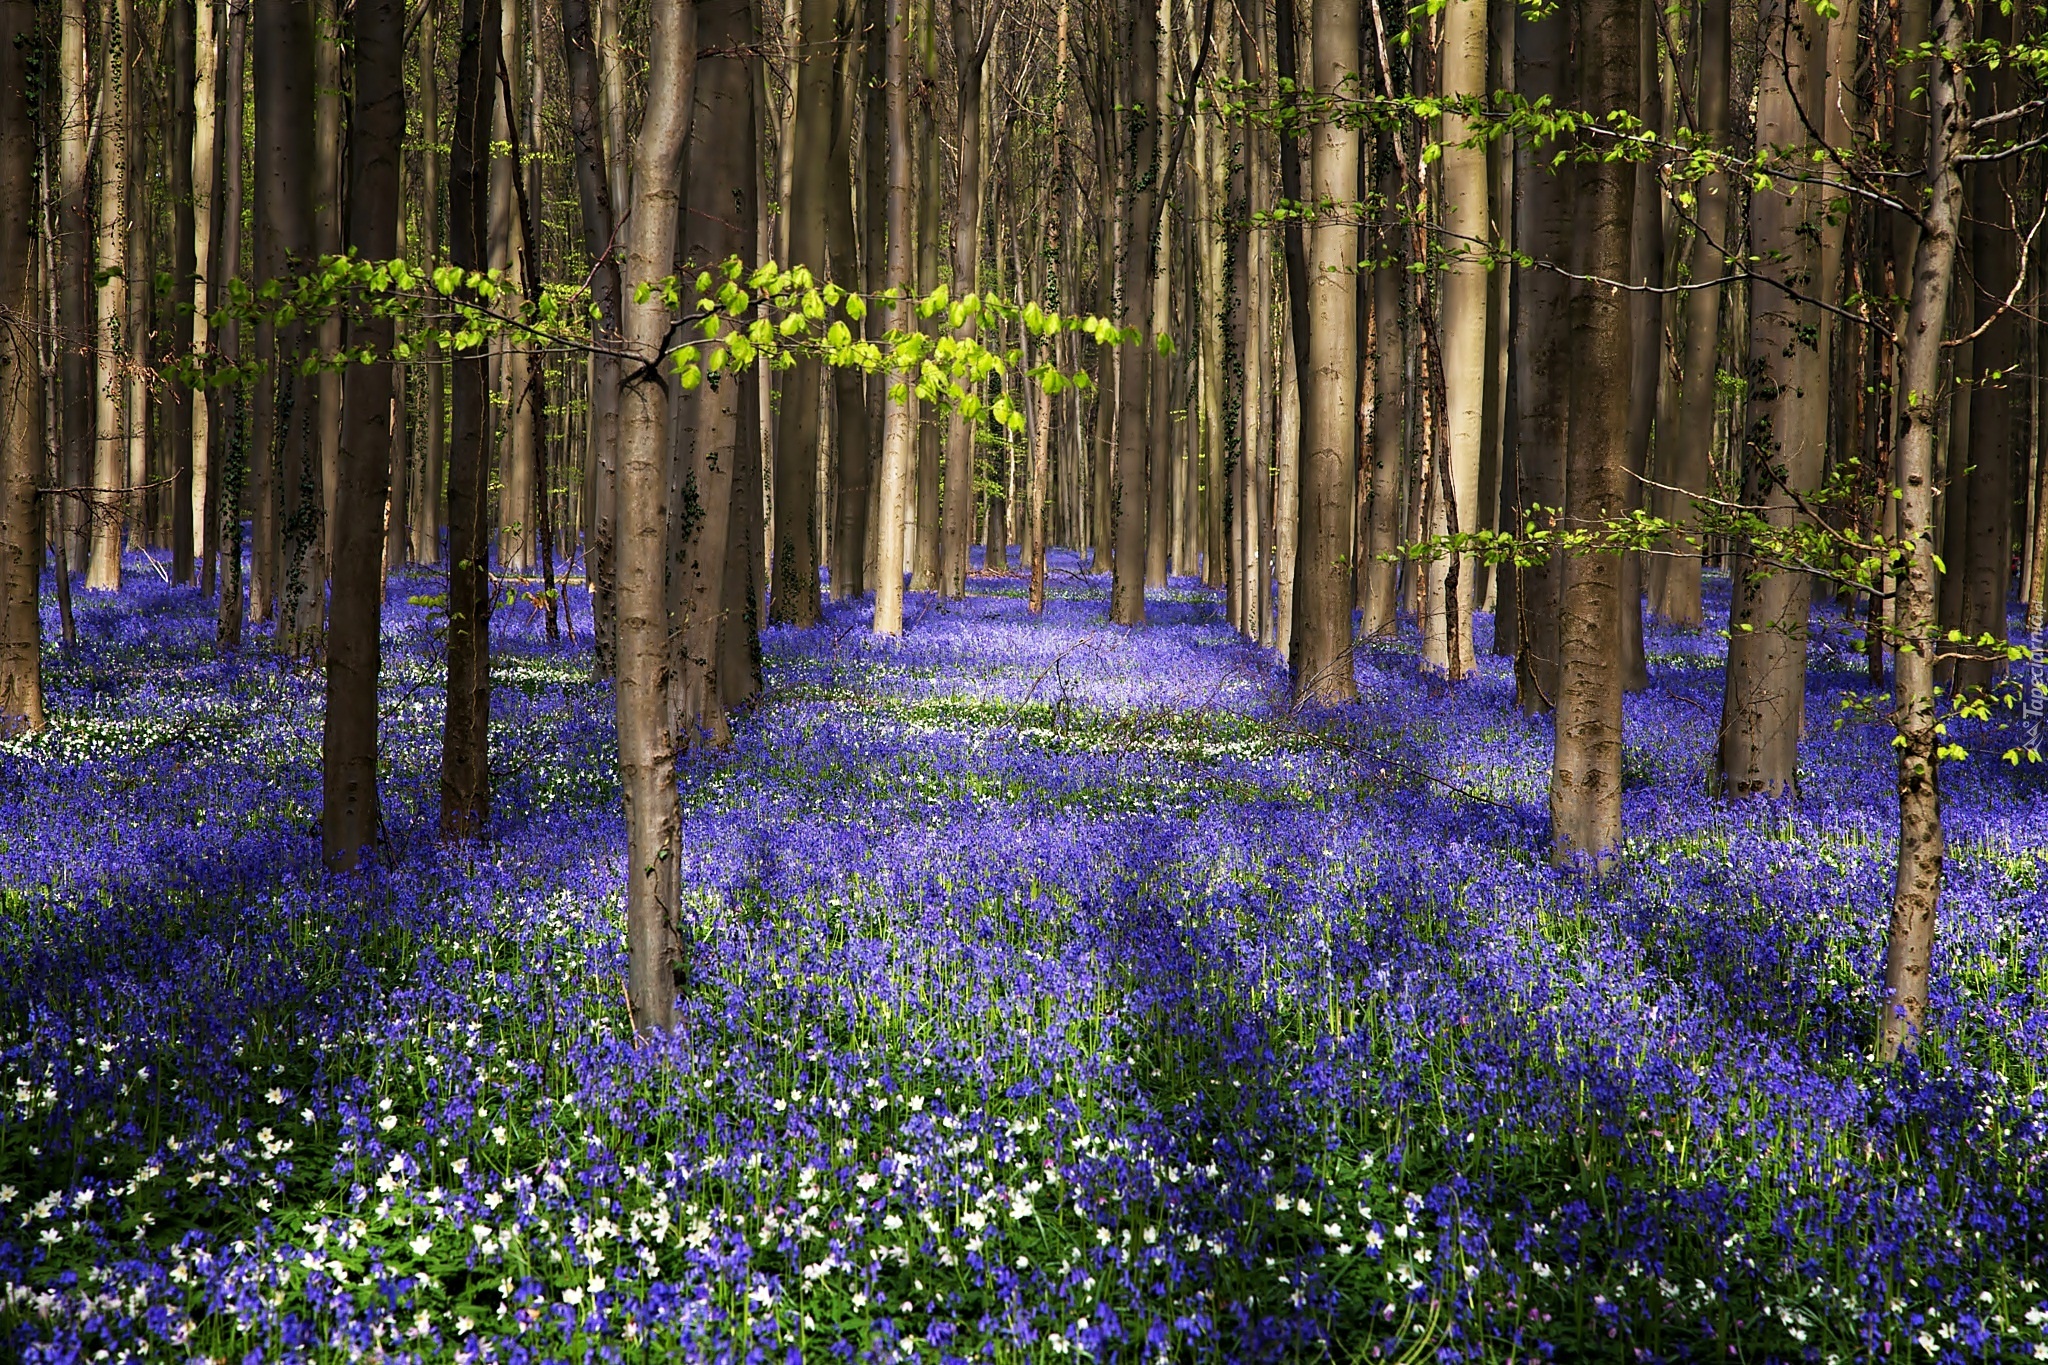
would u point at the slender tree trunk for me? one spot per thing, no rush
(1546, 213)
(427, 518)
(594, 195)
(899, 420)
(1130, 497)
(1383, 503)
(1321, 653)
(73, 283)
(646, 744)
(1764, 700)
(1691, 442)
(1646, 327)
(849, 543)
(1585, 770)
(110, 446)
(720, 171)
(739, 627)
(1984, 560)
(327, 173)
(972, 31)
(186, 233)
(21, 383)
(465, 736)
(516, 491)
(1909, 948)
(1467, 297)
(230, 435)
(794, 598)
(202, 165)
(350, 814)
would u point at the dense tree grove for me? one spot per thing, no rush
(688, 326)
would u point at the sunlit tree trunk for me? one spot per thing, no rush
(1389, 325)
(465, 735)
(427, 515)
(1909, 948)
(899, 419)
(1321, 654)
(1690, 443)
(351, 816)
(21, 382)
(1764, 699)
(74, 271)
(110, 347)
(516, 488)
(202, 167)
(924, 575)
(849, 541)
(186, 233)
(1585, 770)
(1467, 296)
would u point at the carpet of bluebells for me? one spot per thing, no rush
(1055, 993)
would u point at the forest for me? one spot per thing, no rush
(1023, 680)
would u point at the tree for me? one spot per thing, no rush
(350, 813)
(1585, 767)
(647, 771)
(465, 734)
(1129, 495)
(972, 35)
(110, 346)
(1321, 654)
(899, 420)
(21, 382)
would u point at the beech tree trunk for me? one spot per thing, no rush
(73, 285)
(229, 435)
(1389, 327)
(1545, 217)
(973, 31)
(109, 500)
(647, 770)
(594, 196)
(1676, 595)
(1764, 698)
(427, 515)
(351, 816)
(1467, 298)
(1320, 658)
(1585, 769)
(721, 172)
(1916, 891)
(849, 541)
(1130, 496)
(179, 398)
(899, 410)
(21, 383)
(465, 735)
(202, 166)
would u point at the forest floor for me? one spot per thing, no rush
(1053, 992)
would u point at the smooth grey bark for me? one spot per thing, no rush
(109, 499)
(1389, 328)
(21, 383)
(228, 460)
(201, 167)
(350, 814)
(849, 540)
(73, 283)
(185, 232)
(647, 768)
(974, 29)
(431, 496)
(1136, 269)
(899, 420)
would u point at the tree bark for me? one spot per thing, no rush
(899, 419)
(202, 167)
(1321, 655)
(973, 30)
(465, 735)
(1764, 699)
(230, 454)
(1467, 299)
(849, 386)
(351, 816)
(594, 196)
(21, 383)
(74, 271)
(185, 233)
(1677, 599)
(110, 351)
(1389, 325)
(1585, 770)
(1909, 947)
(427, 516)
(1130, 497)
(720, 178)
(647, 769)
(1646, 328)
(794, 598)
(327, 227)
(1545, 221)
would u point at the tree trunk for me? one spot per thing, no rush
(1389, 325)
(593, 193)
(1129, 497)
(1320, 658)
(465, 735)
(1646, 328)
(794, 598)
(1764, 700)
(74, 271)
(647, 768)
(1545, 223)
(1983, 561)
(1585, 769)
(899, 420)
(1689, 468)
(427, 515)
(739, 626)
(516, 491)
(327, 173)
(1909, 947)
(179, 399)
(720, 171)
(849, 386)
(110, 447)
(972, 31)
(229, 436)
(21, 384)
(200, 476)
(351, 817)
(1467, 297)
